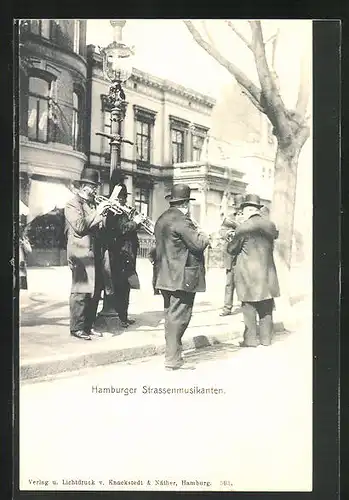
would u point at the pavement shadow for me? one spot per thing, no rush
(280, 336)
(40, 306)
(210, 353)
(150, 319)
(35, 321)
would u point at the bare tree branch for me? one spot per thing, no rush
(276, 110)
(304, 88)
(246, 42)
(256, 103)
(253, 92)
(208, 34)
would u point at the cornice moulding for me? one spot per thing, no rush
(163, 84)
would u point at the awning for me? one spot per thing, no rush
(44, 196)
(23, 209)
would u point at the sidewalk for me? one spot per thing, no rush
(46, 348)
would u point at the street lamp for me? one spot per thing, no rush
(117, 68)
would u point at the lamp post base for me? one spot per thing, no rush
(108, 309)
(108, 319)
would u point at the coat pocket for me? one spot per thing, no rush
(191, 278)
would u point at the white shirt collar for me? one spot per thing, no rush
(184, 211)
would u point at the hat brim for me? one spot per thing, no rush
(172, 200)
(250, 204)
(87, 181)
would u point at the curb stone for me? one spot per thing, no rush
(34, 369)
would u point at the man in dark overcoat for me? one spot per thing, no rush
(124, 254)
(152, 258)
(180, 246)
(255, 273)
(83, 220)
(229, 226)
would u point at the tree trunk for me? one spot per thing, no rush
(282, 211)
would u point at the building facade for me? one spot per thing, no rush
(169, 125)
(52, 110)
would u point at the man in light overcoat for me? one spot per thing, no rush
(83, 221)
(255, 273)
(180, 264)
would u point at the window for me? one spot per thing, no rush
(197, 144)
(144, 123)
(38, 109)
(76, 45)
(142, 200)
(177, 139)
(143, 141)
(76, 125)
(40, 27)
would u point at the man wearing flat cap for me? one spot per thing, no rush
(83, 220)
(180, 246)
(229, 226)
(255, 273)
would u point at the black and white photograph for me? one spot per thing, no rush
(165, 254)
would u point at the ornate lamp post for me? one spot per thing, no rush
(117, 68)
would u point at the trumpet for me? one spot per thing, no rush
(147, 224)
(112, 207)
(117, 209)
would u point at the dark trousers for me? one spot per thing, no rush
(264, 309)
(83, 310)
(122, 299)
(178, 307)
(229, 290)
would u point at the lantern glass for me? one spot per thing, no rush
(117, 62)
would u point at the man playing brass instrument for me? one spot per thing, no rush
(124, 246)
(83, 219)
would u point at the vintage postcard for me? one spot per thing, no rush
(165, 255)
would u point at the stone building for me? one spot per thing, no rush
(169, 125)
(52, 111)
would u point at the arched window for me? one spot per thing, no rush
(38, 109)
(76, 125)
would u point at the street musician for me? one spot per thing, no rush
(83, 220)
(123, 240)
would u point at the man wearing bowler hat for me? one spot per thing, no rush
(229, 226)
(83, 220)
(255, 273)
(180, 246)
